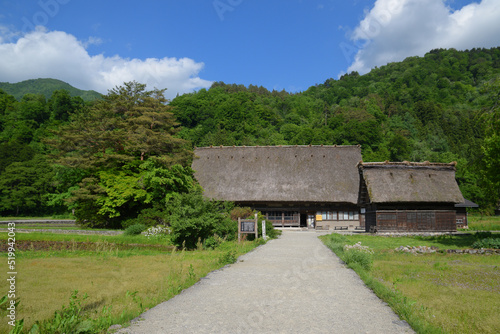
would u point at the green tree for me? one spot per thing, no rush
(129, 123)
(491, 144)
(127, 146)
(6, 102)
(34, 107)
(399, 148)
(61, 105)
(23, 186)
(14, 152)
(194, 218)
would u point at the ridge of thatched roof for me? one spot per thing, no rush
(279, 173)
(409, 164)
(394, 182)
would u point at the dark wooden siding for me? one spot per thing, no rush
(462, 218)
(411, 220)
(370, 221)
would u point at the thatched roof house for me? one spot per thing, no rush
(298, 179)
(409, 196)
(279, 173)
(411, 182)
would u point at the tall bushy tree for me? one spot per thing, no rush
(62, 105)
(128, 147)
(491, 145)
(130, 123)
(24, 185)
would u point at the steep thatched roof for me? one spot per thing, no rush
(279, 173)
(392, 182)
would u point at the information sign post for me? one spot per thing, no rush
(248, 226)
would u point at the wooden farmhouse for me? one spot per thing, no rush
(409, 196)
(329, 187)
(294, 186)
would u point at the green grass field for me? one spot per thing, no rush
(35, 218)
(115, 239)
(43, 227)
(484, 223)
(435, 293)
(128, 280)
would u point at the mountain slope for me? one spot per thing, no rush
(45, 87)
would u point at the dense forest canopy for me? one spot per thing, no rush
(62, 153)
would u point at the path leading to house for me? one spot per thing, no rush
(293, 284)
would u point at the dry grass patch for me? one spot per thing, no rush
(129, 284)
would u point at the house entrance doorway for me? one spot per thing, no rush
(308, 220)
(311, 221)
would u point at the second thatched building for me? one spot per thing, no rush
(409, 196)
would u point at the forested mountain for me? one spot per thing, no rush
(442, 107)
(45, 87)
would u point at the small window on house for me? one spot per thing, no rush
(332, 215)
(341, 215)
(346, 215)
(351, 215)
(356, 215)
(324, 215)
(273, 215)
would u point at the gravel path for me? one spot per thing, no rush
(293, 284)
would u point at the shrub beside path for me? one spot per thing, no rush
(293, 284)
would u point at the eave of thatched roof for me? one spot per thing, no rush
(467, 204)
(404, 182)
(279, 173)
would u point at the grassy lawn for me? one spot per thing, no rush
(44, 227)
(435, 293)
(484, 223)
(129, 281)
(4, 227)
(32, 218)
(114, 239)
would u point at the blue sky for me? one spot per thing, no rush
(184, 45)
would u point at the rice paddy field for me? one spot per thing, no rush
(115, 278)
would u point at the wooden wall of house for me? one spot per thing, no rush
(461, 218)
(295, 214)
(370, 220)
(283, 218)
(411, 220)
(331, 219)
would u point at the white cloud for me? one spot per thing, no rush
(395, 29)
(6, 34)
(58, 55)
(92, 41)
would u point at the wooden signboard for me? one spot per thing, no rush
(248, 226)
